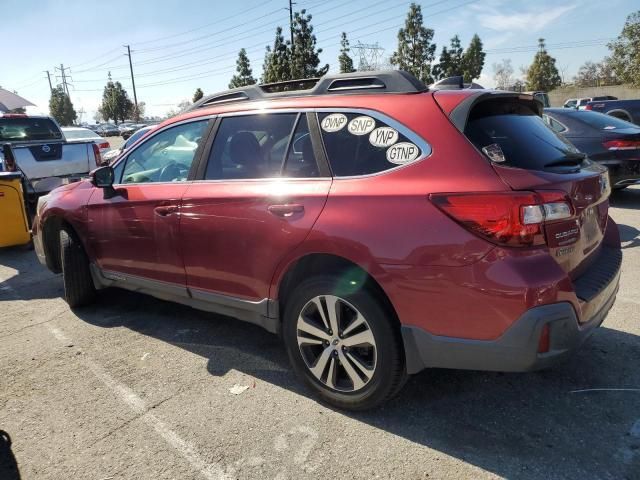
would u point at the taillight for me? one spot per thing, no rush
(620, 144)
(511, 218)
(104, 145)
(96, 153)
(544, 342)
(589, 107)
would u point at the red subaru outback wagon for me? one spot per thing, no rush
(378, 226)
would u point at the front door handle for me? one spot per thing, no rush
(164, 210)
(286, 210)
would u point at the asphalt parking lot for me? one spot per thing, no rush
(138, 388)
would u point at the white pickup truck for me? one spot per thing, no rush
(43, 154)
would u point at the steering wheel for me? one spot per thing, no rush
(172, 172)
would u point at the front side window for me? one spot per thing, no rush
(165, 157)
(250, 146)
(358, 144)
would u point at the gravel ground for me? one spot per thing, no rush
(138, 388)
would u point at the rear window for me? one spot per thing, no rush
(512, 134)
(600, 121)
(21, 129)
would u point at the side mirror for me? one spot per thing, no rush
(9, 158)
(102, 177)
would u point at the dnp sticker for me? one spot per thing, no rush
(402, 152)
(334, 122)
(383, 137)
(361, 125)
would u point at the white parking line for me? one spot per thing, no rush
(211, 471)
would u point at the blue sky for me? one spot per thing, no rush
(179, 46)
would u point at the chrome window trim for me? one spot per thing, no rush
(166, 127)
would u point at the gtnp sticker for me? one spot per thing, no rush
(402, 152)
(361, 125)
(333, 122)
(383, 137)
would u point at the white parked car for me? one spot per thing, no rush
(78, 134)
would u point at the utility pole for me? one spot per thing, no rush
(291, 4)
(64, 78)
(135, 97)
(49, 78)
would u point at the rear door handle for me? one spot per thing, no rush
(286, 210)
(164, 210)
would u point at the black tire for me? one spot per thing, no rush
(79, 289)
(390, 373)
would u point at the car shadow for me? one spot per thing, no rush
(8, 463)
(530, 425)
(629, 236)
(629, 198)
(567, 422)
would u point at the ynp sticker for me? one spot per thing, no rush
(383, 137)
(402, 152)
(361, 125)
(333, 122)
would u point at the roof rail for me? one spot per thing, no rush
(386, 81)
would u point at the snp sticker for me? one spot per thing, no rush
(333, 122)
(361, 125)
(402, 152)
(383, 137)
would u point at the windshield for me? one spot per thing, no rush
(513, 135)
(134, 138)
(79, 134)
(22, 129)
(600, 121)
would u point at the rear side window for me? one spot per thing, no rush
(23, 129)
(512, 134)
(553, 124)
(250, 147)
(358, 144)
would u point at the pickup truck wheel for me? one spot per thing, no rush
(78, 284)
(343, 344)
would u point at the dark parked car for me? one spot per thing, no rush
(378, 226)
(605, 139)
(628, 110)
(107, 130)
(130, 140)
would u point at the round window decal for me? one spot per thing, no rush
(402, 153)
(361, 125)
(383, 137)
(333, 122)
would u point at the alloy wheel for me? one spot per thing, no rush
(336, 343)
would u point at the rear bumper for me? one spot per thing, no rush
(516, 350)
(623, 172)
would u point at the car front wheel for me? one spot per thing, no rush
(76, 276)
(343, 343)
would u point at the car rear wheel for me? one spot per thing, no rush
(76, 276)
(343, 343)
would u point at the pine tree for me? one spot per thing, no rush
(625, 51)
(244, 76)
(345, 61)
(473, 60)
(305, 57)
(277, 61)
(450, 63)
(61, 108)
(116, 104)
(542, 74)
(415, 51)
(198, 94)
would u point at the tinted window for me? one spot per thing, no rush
(301, 161)
(358, 144)
(251, 146)
(165, 157)
(22, 129)
(514, 130)
(600, 121)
